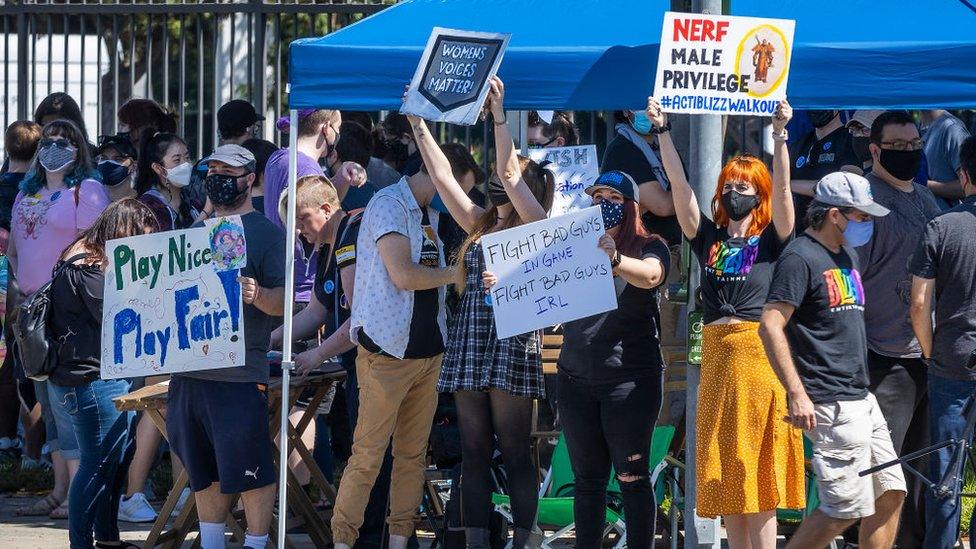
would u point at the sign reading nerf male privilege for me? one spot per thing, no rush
(720, 64)
(575, 168)
(170, 306)
(451, 82)
(550, 271)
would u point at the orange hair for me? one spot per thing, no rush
(746, 167)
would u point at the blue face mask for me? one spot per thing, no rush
(437, 204)
(641, 123)
(858, 233)
(613, 214)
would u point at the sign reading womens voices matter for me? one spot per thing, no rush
(575, 168)
(168, 308)
(720, 64)
(549, 272)
(451, 82)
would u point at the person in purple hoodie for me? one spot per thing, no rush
(318, 133)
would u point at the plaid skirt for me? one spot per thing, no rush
(476, 360)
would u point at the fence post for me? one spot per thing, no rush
(23, 53)
(259, 87)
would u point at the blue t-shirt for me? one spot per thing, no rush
(265, 264)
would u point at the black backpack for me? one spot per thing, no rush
(37, 348)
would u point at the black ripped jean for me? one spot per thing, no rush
(604, 425)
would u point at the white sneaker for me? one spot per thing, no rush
(184, 495)
(136, 509)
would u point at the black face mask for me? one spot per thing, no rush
(820, 119)
(738, 205)
(224, 191)
(902, 165)
(496, 192)
(861, 150)
(397, 149)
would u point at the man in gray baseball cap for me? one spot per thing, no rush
(218, 418)
(813, 331)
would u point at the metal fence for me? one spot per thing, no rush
(191, 57)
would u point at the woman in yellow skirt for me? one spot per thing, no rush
(749, 460)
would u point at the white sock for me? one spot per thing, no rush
(255, 542)
(212, 535)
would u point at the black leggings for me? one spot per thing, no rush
(483, 418)
(611, 424)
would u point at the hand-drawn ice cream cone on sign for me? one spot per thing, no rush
(765, 52)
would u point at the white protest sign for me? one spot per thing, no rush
(167, 309)
(575, 168)
(549, 272)
(720, 64)
(451, 81)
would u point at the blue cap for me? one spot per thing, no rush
(617, 181)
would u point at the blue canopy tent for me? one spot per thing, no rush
(564, 54)
(868, 54)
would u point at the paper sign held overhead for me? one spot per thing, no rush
(720, 64)
(451, 81)
(575, 168)
(168, 307)
(549, 272)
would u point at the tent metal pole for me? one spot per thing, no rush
(286, 360)
(705, 165)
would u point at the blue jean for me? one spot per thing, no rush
(947, 398)
(106, 439)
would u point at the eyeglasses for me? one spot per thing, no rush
(858, 130)
(55, 141)
(902, 145)
(543, 145)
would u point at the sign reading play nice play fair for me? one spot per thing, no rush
(451, 82)
(173, 302)
(720, 64)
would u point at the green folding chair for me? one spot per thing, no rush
(556, 493)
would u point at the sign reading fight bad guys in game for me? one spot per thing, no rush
(549, 272)
(575, 169)
(451, 81)
(172, 302)
(720, 64)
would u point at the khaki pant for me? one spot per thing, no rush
(397, 398)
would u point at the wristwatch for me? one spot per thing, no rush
(616, 259)
(663, 129)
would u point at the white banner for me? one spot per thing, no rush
(451, 81)
(549, 272)
(575, 168)
(721, 64)
(167, 308)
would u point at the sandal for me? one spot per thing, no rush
(60, 512)
(39, 508)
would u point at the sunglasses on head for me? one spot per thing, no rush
(56, 141)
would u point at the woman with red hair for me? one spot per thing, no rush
(749, 461)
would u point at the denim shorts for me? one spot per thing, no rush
(57, 421)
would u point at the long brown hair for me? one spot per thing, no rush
(127, 217)
(632, 236)
(540, 181)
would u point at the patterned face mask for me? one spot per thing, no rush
(613, 214)
(223, 189)
(56, 157)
